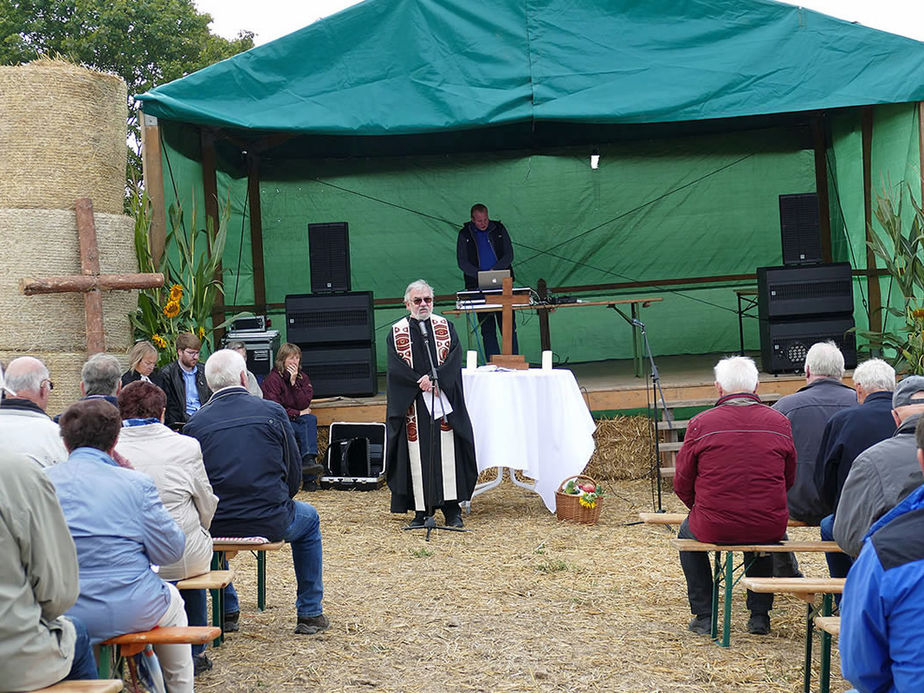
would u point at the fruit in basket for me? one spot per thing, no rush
(588, 487)
(571, 487)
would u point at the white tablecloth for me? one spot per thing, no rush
(534, 420)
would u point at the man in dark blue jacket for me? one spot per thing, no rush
(254, 467)
(848, 433)
(484, 245)
(883, 604)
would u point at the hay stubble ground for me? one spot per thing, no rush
(522, 603)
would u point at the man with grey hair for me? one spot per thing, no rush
(846, 435)
(101, 378)
(253, 464)
(733, 470)
(24, 426)
(253, 387)
(431, 457)
(808, 410)
(883, 474)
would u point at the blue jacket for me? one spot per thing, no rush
(847, 434)
(120, 528)
(808, 410)
(882, 610)
(252, 461)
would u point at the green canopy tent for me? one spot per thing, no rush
(397, 115)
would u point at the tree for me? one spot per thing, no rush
(145, 42)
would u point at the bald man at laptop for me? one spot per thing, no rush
(484, 245)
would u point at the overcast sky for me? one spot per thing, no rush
(270, 19)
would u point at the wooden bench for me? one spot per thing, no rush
(724, 571)
(215, 582)
(87, 686)
(226, 550)
(806, 589)
(677, 518)
(129, 644)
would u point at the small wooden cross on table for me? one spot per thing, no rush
(507, 359)
(90, 282)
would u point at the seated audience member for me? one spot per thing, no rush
(120, 528)
(142, 364)
(99, 378)
(24, 426)
(174, 462)
(733, 470)
(287, 384)
(808, 410)
(884, 474)
(253, 463)
(883, 603)
(183, 381)
(846, 435)
(38, 583)
(253, 387)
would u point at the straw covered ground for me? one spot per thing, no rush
(521, 603)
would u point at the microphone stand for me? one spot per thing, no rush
(655, 463)
(430, 521)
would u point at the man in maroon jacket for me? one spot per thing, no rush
(733, 471)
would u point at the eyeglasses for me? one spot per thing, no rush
(425, 299)
(51, 385)
(191, 352)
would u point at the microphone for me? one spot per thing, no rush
(426, 338)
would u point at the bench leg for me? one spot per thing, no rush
(218, 614)
(104, 665)
(809, 629)
(727, 606)
(825, 674)
(716, 579)
(261, 580)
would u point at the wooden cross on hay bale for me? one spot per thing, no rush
(90, 282)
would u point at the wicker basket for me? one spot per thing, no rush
(568, 508)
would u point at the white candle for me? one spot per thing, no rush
(471, 360)
(546, 360)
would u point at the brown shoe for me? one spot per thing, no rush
(312, 625)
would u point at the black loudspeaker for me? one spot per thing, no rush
(313, 319)
(799, 230)
(800, 291)
(341, 370)
(329, 257)
(784, 343)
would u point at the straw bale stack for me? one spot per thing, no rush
(62, 136)
(43, 242)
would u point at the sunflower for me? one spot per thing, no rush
(176, 293)
(201, 333)
(172, 309)
(159, 341)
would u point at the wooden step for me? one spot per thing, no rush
(678, 425)
(829, 624)
(666, 471)
(669, 447)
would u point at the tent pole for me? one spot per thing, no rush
(210, 190)
(921, 146)
(153, 173)
(819, 141)
(256, 231)
(872, 276)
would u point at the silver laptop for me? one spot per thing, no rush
(492, 279)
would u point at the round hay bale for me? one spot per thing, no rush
(62, 136)
(623, 449)
(44, 242)
(64, 371)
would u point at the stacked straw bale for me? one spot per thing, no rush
(62, 137)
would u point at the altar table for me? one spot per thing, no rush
(532, 420)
